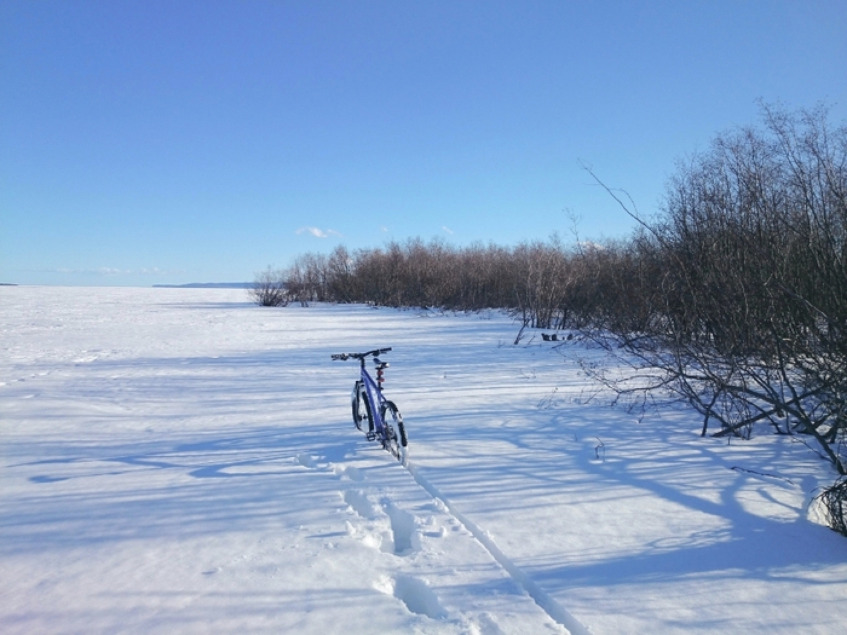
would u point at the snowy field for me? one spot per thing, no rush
(183, 461)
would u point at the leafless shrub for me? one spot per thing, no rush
(748, 280)
(269, 288)
(834, 500)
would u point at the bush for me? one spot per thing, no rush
(269, 289)
(834, 500)
(750, 289)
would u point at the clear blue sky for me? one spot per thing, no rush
(161, 141)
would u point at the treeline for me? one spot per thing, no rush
(734, 297)
(549, 285)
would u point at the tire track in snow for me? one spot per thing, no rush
(549, 605)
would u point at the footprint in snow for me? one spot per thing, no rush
(349, 473)
(403, 529)
(306, 460)
(359, 503)
(414, 593)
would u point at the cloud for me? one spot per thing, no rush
(317, 232)
(447, 229)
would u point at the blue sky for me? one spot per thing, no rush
(146, 142)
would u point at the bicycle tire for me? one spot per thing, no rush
(390, 408)
(392, 445)
(361, 408)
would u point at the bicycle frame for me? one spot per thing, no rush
(373, 393)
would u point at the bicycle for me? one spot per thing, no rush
(369, 404)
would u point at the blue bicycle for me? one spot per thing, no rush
(385, 424)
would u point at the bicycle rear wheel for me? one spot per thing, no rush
(361, 407)
(395, 431)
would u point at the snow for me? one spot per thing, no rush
(181, 460)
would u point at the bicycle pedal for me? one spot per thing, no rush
(370, 436)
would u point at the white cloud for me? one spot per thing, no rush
(317, 232)
(447, 229)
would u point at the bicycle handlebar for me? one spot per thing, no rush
(375, 352)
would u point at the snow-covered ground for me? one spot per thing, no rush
(179, 461)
